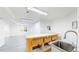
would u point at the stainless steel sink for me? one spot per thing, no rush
(65, 46)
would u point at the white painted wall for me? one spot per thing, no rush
(58, 25)
(35, 29)
(16, 41)
(78, 25)
(16, 37)
(44, 24)
(61, 26)
(4, 32)
(18, 29)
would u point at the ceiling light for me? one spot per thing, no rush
(37, 10)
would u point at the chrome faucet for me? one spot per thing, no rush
(75, 34)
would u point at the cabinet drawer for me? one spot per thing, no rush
(34, 42)
(40, 41)
(47, 39)
(55, 37)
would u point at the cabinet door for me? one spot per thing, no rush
(40, 41)
(54, 37)
(47, 39)
(29, 45)
(35, 42)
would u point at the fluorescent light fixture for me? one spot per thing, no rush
(37, 10)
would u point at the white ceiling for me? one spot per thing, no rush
(20, 13)
(57, 12)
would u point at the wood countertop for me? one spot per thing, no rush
(41, 35)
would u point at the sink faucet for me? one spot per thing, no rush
(75, 34)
